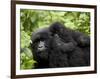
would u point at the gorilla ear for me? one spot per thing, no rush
(31, 43)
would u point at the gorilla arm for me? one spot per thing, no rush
(62, 46)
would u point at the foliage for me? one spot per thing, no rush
(34, 19)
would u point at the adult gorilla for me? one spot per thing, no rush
(58, 46)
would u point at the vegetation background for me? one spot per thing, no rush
(30, 20)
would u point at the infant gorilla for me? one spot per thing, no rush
(58, 46)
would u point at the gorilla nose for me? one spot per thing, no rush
(40, 46)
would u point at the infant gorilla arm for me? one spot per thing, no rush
(58, 43)
(70, 35)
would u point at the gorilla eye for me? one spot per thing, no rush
(41, 39)
(36, 40)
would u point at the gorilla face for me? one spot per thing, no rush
(40, 43)
(41, 46)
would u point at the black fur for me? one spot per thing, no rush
(58, 46)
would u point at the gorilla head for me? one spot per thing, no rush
(40, 46)
(40, 40)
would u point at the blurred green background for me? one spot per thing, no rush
(31, 20)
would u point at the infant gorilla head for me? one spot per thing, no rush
(56, 46)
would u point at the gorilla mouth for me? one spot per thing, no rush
(40, 50)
